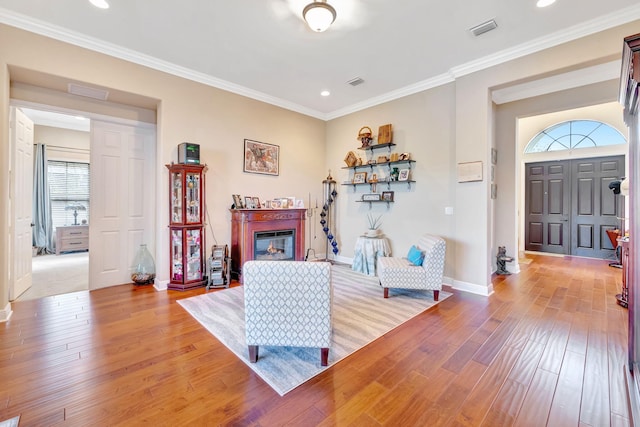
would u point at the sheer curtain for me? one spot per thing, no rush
(42, 228)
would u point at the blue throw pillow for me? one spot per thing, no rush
(415, 256)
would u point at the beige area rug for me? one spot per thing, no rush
(360, 316)
(58, 274)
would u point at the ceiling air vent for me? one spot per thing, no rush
(356, 81)
(89, 92)
(483, 28)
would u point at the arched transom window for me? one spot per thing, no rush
(574, 134)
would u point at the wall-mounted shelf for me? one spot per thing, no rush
(375, 201)
(379, 167)
(355, 184)
(389, 164)
(373, 147)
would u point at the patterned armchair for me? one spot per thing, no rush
(287, 303)
(400, 273)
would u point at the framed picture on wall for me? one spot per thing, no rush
(404, 175)
(260, 157)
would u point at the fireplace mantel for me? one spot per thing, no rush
(246, 222)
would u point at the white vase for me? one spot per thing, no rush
(372, 233)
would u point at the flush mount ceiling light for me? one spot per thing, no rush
(319, 15)
(102, 4)
(545, 3)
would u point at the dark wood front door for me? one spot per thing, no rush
(569, 206)
(595, 209)
(548, 207)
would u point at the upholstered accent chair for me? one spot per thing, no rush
(288, 303)
(395, 272)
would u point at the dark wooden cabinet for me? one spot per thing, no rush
(254, 231)
(186, 226)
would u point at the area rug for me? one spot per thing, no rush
(360, 315)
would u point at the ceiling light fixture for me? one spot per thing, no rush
(319, 15)
(545, 3)
(102, 4)
(325, 93)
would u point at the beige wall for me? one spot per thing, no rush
(63, 144)
(5, 306)
(217, 120)
(423, 126)
(440, 127)
(461, 123)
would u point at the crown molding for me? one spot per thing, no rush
(570, 80)
(572, 33)
(605, 22)
(58, 33)
(623, 16)
(393, 95)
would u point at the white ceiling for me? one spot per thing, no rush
(263, 49)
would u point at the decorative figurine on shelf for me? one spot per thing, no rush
(373, 181)
(364, 136)
(394, 174)
(501, 261)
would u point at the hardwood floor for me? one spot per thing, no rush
(548, 348)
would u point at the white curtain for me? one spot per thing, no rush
(42, 224)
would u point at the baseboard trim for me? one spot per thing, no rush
(160, 285)
(472, 288)
(5, 313)
(633, 394)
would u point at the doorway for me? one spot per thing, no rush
(60, 195)
(569, 206)
(131, 166)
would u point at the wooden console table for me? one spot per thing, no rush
(246, 222)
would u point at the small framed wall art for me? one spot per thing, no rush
(387, 196)
(403, 175)
(260, 157)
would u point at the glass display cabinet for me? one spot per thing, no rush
(186, 225)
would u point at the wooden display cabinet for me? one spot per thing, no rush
(186, 226)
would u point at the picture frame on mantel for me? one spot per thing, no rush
(260, 157)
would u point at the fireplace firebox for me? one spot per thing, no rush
(266, 234)
(274, 245)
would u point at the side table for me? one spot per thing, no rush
(367, 251)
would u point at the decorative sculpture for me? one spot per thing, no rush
(501, 260)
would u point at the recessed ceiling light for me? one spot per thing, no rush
(325, 93)
(545, 3)
(102, 4)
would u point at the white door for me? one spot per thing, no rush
(122, 200)
(20, 194)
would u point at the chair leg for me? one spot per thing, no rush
(253, 353)
(386, 292)
(436, 295)
(324, 356)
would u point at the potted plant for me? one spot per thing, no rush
(374, 225)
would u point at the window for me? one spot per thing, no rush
(574, 134)
(69, 192)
